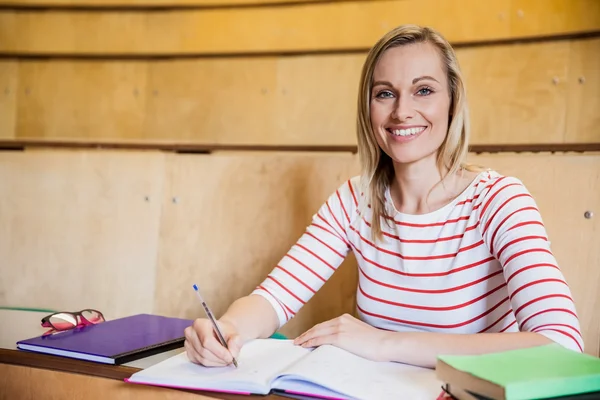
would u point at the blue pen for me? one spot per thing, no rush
(214, 322)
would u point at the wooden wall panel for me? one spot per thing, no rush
(8, 27)
(551, 17)
(62, 32)
(8, 91)
(316, 100)
(308, 28)
(235, 218)
(300, 100)
(565, 186)
(583, 101)
(147, 3)
(81, 99)
(302, 27)
(517, 93)
(211, 100)
(76, 231)
(296, 100)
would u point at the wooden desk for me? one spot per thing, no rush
(27, 375)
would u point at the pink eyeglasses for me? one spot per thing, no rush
(65, 320)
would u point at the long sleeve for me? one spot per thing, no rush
(314, 258)
(512, 228)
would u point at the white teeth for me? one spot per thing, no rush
(408, 132)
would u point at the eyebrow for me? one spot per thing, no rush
(420, 78)
(385, 83)
(424, 77)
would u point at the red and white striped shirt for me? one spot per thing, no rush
(479, 264)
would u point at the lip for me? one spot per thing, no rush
(404, 139)
(395, 127)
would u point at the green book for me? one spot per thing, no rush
(534, 373)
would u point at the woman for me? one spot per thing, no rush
(451, 259)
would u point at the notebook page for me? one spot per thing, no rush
(356, 377)
(259, 362)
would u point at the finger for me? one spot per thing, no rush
(206, 339)
(311, 331)
(339, 324)
(316, 333)
(235, 345)
(192, 349)
(211, 343)
(210, 360)
(203, 354)
(204, 358)
(332, 338)
(192, 355)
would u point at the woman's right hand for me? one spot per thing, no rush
(203, 346)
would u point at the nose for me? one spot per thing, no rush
(403, 108)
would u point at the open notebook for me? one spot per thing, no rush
(267, 365)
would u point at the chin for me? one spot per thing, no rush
(405, 159)
(410, 156)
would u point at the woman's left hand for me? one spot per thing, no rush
(350, 334)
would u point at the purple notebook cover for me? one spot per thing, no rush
(117, 338)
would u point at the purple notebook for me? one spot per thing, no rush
(116, 341)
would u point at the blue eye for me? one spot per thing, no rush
(425, 91)
(384, 94)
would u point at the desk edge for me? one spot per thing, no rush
(64, 364)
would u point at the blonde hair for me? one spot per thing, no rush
(377, 167)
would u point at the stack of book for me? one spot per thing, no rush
(543, 372)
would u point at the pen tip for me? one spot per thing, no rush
(195, 287)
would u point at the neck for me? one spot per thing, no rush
(411, 188)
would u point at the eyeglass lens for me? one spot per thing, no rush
(63, 321)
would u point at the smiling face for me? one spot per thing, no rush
(410, 103)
